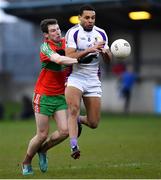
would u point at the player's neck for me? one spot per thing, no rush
(85, 29)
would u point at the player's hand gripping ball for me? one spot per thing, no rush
(120, 48)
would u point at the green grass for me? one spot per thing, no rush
(121, 147)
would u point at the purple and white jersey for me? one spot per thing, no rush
(79, 39)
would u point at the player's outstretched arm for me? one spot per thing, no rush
(71, 52)
(63, 59)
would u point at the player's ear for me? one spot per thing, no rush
(46, 35)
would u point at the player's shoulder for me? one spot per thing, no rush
(44, 45)
(96, 28)
(73, 29)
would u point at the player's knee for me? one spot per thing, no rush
(93, 121)
(64, 133)
(94, 126)
(74, 109)
(43, 136)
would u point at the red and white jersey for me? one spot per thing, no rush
(80, 39)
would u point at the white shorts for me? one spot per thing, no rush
(90, 87)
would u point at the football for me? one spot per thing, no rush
(120, 48)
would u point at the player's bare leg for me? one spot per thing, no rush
(59, 135)
(93, 106)
(73, 98)
(42, 124)
(55, 138)
(42, 133)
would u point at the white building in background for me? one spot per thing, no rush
(19, 61)
(6, 18)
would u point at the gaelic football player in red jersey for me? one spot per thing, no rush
(48, 99)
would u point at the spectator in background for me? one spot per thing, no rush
(118, 68)
(126, 82)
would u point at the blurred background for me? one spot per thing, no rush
(20, 39)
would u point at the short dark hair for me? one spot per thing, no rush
(86, 7)
(45, 23)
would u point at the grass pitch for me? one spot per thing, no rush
(121, 147)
